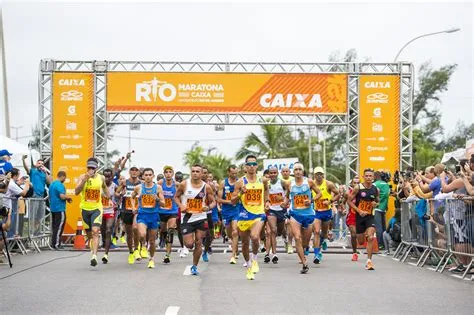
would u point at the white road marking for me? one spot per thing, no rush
(187, 271)
(172, 310)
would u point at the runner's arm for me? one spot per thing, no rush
(220, 192)
(177, 196)
(104, 188)
(211, 202)
(136, 192)
(334, 190)
(80, 186)
(351, 198)
(161, 196)
(237, 192)
(315, 188)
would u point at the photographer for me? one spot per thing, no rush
(381, 182)
(13, 192)
(5, 222)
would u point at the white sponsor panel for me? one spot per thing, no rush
(280, 163)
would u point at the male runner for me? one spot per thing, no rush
(366, 197)
(351, 217)
(169, 212)
(108, 206)
(89, 186)
(124, 191)
(230, 212)
(323, 209)
(147, 219)
(276, 215)
(178, 177)
(194, 197)
(285, 176)
(210, 232)
(302, 214)
(253, 194)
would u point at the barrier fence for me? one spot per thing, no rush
(30, 226)
(439, 230)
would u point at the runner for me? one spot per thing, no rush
(302, 214)
(351, 217)
(108, 206)
(276, 215)
(147, 219)
(323, 207)
(230, 212)
(210, 232)
(89, 187)
(285, 176)
(253, 194)
(169, 212)
(366, 197)
(194, 197)
(178, 177)
(129, 214)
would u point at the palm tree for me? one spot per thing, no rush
(217, 165)
(194, 156)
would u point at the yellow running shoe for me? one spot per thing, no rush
(255, 267)
(290, 249)
(123, 240)
(136, 255)
(151, 264)
(232, 260)
(143, 252)
(114, 241)
(131, 259)
(250, 274)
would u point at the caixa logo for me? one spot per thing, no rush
(150, 91)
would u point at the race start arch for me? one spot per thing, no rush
(78, 99)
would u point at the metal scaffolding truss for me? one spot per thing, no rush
(349, 119)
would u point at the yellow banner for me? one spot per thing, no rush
(226, 92)
(72, 133)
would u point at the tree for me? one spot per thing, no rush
(194, 156)
(217, 163)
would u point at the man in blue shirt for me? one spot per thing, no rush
(57, 202)
(5, 165)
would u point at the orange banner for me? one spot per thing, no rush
(226, 92)
(72, 133)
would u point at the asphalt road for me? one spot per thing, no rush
(63, 282)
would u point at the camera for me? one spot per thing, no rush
(385, 176)
(3, 211)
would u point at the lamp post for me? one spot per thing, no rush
(451, 30)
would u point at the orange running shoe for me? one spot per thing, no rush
(355, 257)
(369, 265)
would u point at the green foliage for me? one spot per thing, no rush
(217, 163)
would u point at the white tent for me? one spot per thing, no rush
(455, 155)
(18, 150)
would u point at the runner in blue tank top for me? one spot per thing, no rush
(169, 212)
(150, 198)
(230, 212)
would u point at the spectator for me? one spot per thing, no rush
(427, 184)
(13, 192)
(392, 235)
(39, 175)
(384, 193)
(5, 165)
(57, 201)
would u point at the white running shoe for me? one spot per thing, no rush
(184, 252)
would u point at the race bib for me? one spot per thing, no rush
(168, 204)
(128, 203)
(148, 201)
(194, 205)
(276, 199)
(320, 205)
(366, 206)
(106, 202)
(228, 196)
(92, 195)
(253, 197)
(299, 201)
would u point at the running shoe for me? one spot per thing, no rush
(306, 251)
(194, 270)
(317, 258)
(355, 257)
(245, 264)
(369, 265)
(183, 252)
(290, 249)
(324, 245)
(123, 240)
(143, 252)
(250, 274)
(204, 257)
(263, 249)
(304, 269)
(136, 255)
(114, 241)
(94, 261)
(233, 261)
(210, 251)
(275, 259)
(167, 259)
(112, 246)
(131, 259)
(151, 264)
(266, 259)
(255, 267)
(105, 259)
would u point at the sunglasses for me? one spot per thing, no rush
(251, 163)
(91, 168)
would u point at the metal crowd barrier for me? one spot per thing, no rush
(440, 230)
(30, 225)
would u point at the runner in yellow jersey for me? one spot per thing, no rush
(253, 194)
(90, 186)
(323, 208)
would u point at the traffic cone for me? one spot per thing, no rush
(79, 241)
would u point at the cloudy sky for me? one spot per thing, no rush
(305, 32)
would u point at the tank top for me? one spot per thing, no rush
(364, 198)
(276, 195)
(325, 195)
(170, 206)
(298, 195)
(147, 202)
(252, 200)
(91, 198)
(107, 203)
(195, 200)
(227, 195)
(127, 198)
